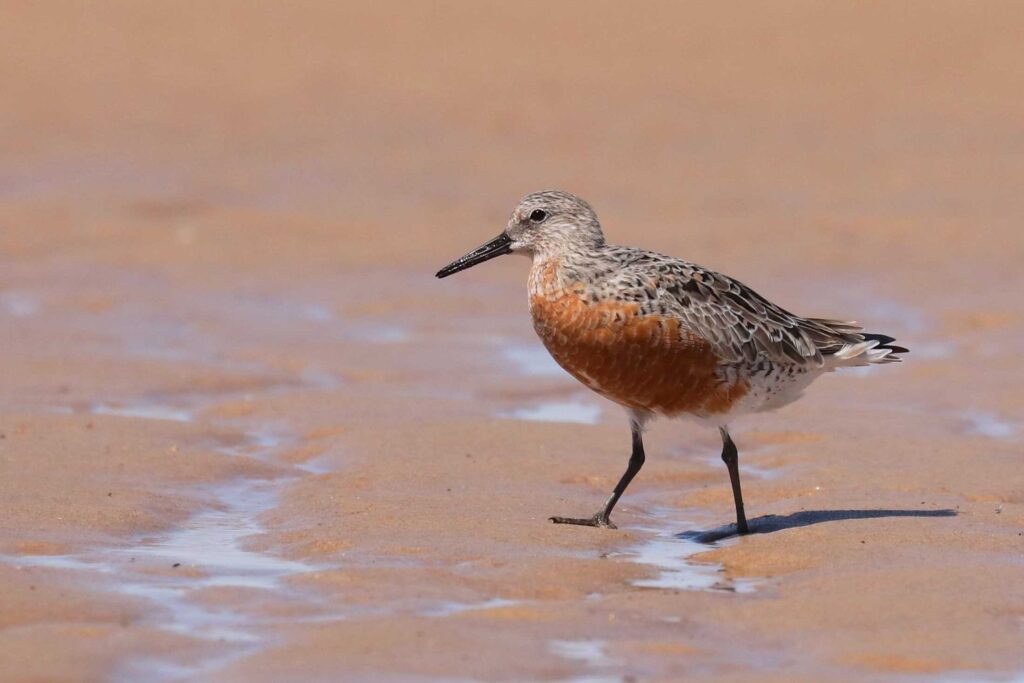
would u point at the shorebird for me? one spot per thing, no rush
(661, 336)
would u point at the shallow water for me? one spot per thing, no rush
(448, 609)
(213, 541)
(531, 360)
(144, 411)
(590, 652)
(19, 304)
(210, 550)
(671, 554)
(577, 411)
(171, 570)
(986, 423)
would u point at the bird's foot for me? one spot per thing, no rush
(598, 520)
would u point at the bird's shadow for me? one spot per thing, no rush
(771, 523)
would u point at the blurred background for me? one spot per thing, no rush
(414, 128)
(246, 435)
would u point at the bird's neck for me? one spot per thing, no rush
(546, 277)
(553, 273)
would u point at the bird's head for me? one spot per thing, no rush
(547, 223)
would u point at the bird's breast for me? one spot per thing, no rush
(643, 361)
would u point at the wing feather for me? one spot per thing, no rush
(740, 324)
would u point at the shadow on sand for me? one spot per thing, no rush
(770, 523)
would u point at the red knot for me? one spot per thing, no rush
(661, 336)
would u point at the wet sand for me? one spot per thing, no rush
(246, 436)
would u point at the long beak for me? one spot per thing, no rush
(499, 246)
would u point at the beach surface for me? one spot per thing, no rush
(245, 434)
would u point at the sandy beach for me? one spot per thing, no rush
(245, 434)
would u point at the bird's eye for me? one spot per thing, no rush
(538, 215)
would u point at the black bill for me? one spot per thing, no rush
(499, 246)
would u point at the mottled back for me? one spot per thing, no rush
(740, 324)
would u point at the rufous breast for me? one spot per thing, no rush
(641, 361)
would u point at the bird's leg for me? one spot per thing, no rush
(602, 518)
(731, 458)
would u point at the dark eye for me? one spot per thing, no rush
(537, 215)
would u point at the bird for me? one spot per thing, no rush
(664, 337)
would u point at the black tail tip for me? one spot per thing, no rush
(886, 342)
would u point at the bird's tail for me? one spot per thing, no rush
(863, 348)
(845, 344)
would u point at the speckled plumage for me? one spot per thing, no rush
(749, 340)
(663, 336)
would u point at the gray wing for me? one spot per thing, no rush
(740, 324)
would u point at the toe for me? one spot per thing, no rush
(596, 521)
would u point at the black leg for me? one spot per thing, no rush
(732, 460)
(602, 518)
